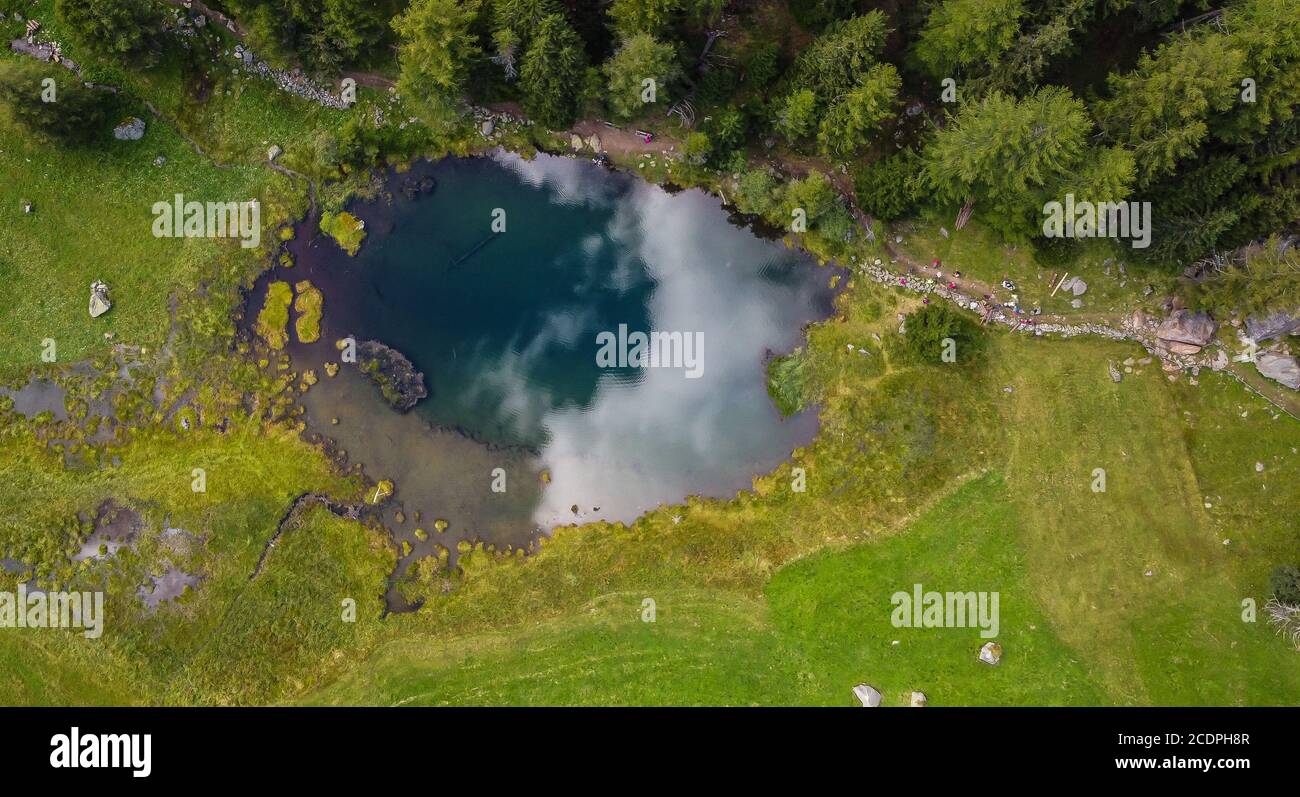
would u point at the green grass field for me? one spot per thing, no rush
(964, 478)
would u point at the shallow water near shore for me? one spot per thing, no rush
(505, 327)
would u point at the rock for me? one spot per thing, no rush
(1115, 375)
(1259, 467)
(991, 653)
(1178, 347)
(401, 385)
(99, 303)
(916, 700)
(412, 187)
(1272, 326)
(131, 129)
(593, 141)
(869, 696)
(274, 152)
(1184, 326)
(1220, 360)
(1281, 368)
(575, 142)
(487, 128)
(159, 161)
(1076, 303)
(1079, 287)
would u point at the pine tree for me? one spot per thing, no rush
(641, 58)
(1162, 108)
(965, 36)
(1010, 156)
(552, 69)
(855, 119)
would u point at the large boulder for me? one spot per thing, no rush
(131, 129)
(1185, 326)
(1279, 367)
(868, 696)
(1262, 328)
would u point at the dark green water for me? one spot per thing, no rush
(508, 340)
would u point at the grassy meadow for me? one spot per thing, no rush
(967, 477)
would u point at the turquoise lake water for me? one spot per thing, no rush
(507, 327)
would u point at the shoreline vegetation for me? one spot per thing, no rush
(977, 471)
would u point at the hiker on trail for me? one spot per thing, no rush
(952, 286)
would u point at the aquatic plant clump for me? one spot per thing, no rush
(346, 229)
(309, 306)
(273, 320)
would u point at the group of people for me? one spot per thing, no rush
(991, 304)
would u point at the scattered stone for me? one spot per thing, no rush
(1078, 287)
(1259, 467)
(991, 653)
(916, 700)
(869, 696)
(487, 128)
(1115, 375)
(130, 129)
(575, 142)
(1076, 303)
(99, 303)
(274, 152)
(159, 161)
